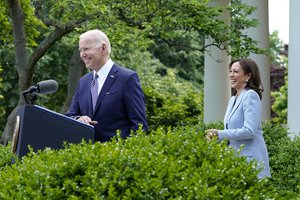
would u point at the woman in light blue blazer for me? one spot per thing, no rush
(242, 121)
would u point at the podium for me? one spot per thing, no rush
(40, 128)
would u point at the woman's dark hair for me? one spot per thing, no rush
(250, 67)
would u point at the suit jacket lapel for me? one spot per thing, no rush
(229, 109)
(111, 77)
(237, 103)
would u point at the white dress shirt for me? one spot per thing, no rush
(102, 73)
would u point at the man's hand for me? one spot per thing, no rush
(93, 123)
(87, 120)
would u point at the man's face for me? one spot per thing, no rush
(90, 53)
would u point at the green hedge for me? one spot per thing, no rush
(169, 163)
(5, 155)
(284, 160)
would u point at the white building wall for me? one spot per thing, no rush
(216, 78)
(261, 34)
(293, 118)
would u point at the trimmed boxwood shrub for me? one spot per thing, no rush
(175, 163)
(5, 155)
(284, 160)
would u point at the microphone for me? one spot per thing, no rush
(43, 87)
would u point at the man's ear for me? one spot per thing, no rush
(103, 46)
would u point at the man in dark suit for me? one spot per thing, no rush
(119, 103)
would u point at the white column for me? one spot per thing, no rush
(216, 78)
(293, 118)
(261, 34)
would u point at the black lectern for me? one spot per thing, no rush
(40, 128)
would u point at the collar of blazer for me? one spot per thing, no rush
(235, 102)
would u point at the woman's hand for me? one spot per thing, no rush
(211, 134)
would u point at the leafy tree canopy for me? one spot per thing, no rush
(138, 23)
(32, 23)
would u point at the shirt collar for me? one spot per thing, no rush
(103, 72)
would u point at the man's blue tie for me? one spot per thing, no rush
(94, 91)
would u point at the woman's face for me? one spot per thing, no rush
(238, 77)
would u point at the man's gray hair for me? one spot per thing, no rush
(99, 36)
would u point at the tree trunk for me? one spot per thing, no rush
(24, 66)
(17, 16)
(76, 68)
(9, 127)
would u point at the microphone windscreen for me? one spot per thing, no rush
(47, 87)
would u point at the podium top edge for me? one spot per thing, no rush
(63, 117)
